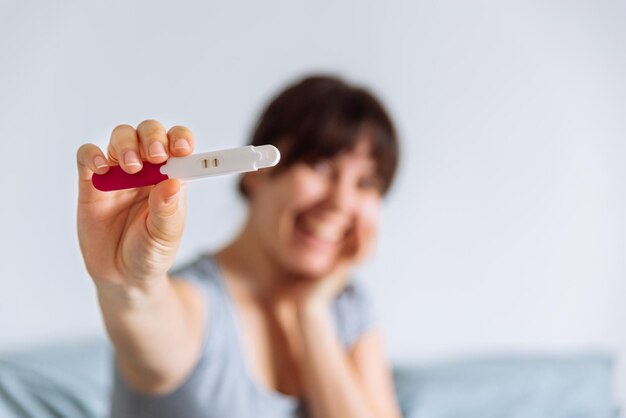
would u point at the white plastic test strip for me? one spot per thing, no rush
(206, 164)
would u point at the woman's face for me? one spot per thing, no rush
(313, 217)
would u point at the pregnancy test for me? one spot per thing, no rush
(206, 164)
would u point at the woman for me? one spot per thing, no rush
(268, 326)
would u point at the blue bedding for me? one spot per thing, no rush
(75, 380)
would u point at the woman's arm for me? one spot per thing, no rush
(129, 239)
(340, 384)
(157, 333)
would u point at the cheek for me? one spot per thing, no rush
(304, 191)
(283, 197)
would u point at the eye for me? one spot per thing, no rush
(370, 183)
(322, 166)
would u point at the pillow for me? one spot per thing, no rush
(511, 387)
(62, 381)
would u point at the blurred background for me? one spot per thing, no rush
(504, 233)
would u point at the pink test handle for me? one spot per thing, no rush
(118, 179)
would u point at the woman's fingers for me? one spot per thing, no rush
(129, 146)
(153, 140)
(366, 237)
(181, 141)
(89, 159)
(124, 148)
(360, 242)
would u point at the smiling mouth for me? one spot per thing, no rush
(322, 232)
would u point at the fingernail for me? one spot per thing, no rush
(99, 162)
(182, 144)
(156, 150)
(131, 159)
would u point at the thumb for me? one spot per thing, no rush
(166, 216)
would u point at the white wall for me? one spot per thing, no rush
(506, 229)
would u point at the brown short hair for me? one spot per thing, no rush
(320, 117)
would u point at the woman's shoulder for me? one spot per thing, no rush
(201, 268)
(203, 272)
(352, 312)
(354, 290)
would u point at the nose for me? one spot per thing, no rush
(343, 195)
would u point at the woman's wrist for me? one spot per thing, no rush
(127, 295)
(313, 311)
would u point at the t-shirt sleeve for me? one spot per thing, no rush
(188, 396)
(353, 314)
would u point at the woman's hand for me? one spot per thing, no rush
(319, 293)
(130, 237)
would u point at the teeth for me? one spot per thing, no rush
(324, 231)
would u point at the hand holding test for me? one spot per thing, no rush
(206, 164)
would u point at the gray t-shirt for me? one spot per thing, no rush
(220, 384)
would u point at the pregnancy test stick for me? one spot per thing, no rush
(206, 164)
